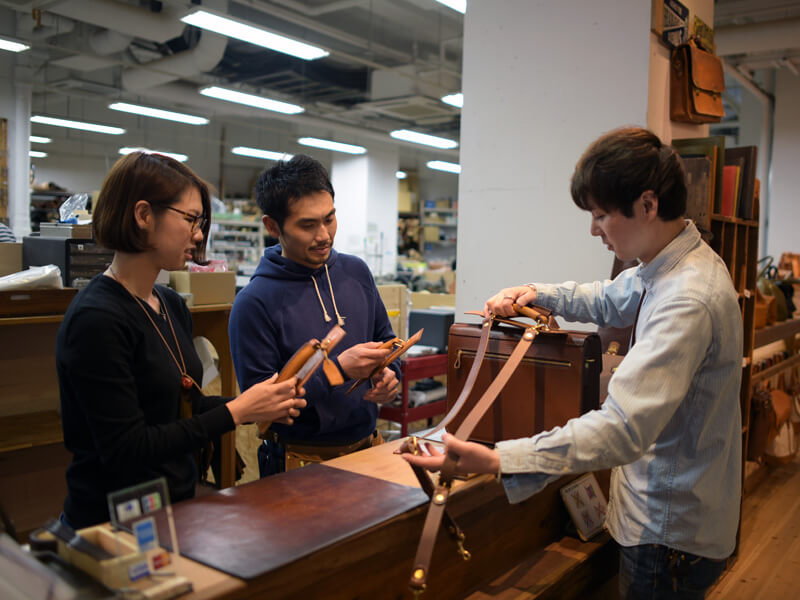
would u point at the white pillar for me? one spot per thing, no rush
(366, 207)
(541, 80)
(15, 107)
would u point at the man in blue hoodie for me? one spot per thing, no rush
(301, 288)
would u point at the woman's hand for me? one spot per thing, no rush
(500, 303)
(472, 457)
(268, 402)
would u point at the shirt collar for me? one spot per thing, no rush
(671, 253)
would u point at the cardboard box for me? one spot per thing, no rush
(205, 288)
(428, 300)
(395, 299)
(10, 258)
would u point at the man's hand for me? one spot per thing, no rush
(384, 387)
(359, 361)
(500, 303)
(472, 457)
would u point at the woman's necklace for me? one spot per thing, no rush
(187, 381)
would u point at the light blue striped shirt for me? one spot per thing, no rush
(672, 415)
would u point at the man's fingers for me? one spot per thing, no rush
(432, 463)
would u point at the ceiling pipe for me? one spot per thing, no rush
(125, 18)
(322, 9)
(47, 26)
(206, 54)
(189, 97)
(372, 47)
(766, 36)
(109, 42)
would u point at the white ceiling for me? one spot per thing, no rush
(390, 60)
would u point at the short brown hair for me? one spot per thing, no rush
(621, 165)
(158, 179)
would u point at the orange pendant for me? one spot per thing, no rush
(186, 382)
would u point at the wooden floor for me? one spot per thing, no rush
(768, 566)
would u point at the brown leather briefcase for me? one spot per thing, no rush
(557, 379)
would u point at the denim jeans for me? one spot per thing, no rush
(645, 573)
(271, 458)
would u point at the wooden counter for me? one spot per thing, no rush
(506, 541)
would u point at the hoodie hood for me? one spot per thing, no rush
(275, 266)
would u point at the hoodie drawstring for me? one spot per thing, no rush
(339, 318)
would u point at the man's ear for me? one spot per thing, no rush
(143, 213)
(271, 225)
(650, 204)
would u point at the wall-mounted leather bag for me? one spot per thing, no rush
(696, 83)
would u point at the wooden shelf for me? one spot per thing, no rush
(777, 332)
(775, 369)
(30, 430)
(734, 220)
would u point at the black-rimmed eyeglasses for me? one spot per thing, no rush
(197, 222)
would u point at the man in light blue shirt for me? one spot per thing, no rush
(671, 422)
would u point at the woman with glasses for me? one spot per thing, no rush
(131, 406)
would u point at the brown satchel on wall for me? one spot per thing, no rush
(696, 83)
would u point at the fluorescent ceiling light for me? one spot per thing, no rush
(77, 125)
(423, 138)
(440, 165)
(401, 174)
(329, 145)
(158, 113)
(252, 100)
(176, 156)
(36, 139)
(456, 100)
(457, 5)
(240, 30)
(37, 154)
(12, 44)
(258, 153)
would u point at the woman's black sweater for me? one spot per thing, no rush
(120, 399)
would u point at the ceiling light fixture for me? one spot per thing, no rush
(158, 113)
(440, 165)
(457, 5)
(258, 153)
(37, 154)
(240, 30)
(175, 155)
(12, 44)
(251, 100)
(400, 174)
(423, 138)
(77, 125)
(456, 100)
(37, 139)
(329, 145)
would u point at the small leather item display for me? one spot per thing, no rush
(696, 83)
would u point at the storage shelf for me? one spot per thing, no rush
(777, 332)
(734, 220)
(444, 211)
(431, 224)
(775, 369)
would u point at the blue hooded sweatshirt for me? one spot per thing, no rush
(281, 309)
